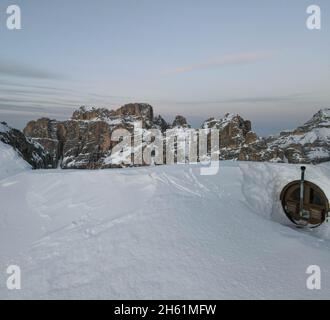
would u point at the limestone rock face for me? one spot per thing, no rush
(44, 132)
(85, 141)
(86, 144)
(31, 151)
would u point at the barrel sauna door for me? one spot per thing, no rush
(315, 205)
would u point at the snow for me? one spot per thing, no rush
(4, 128)
(318, 134)
(322, 116)
(325, 112)
(318, 153)
(161, 232)
(10, 162)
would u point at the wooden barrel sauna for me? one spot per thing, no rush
(305, 205)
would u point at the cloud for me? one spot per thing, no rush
(17, 117)
(244, 99)
(227, 60)
(257, 99)
(20, 70)
(13, 109)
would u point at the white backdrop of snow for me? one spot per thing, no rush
(158, 232)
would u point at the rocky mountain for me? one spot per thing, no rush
(86, 140)
(235, 132)
(30, 150)
(239, 142)
(309, 143)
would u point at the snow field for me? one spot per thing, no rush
(158, 233)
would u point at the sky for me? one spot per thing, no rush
(198, 58)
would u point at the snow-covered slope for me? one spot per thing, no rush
(159, 232)
(10, 162)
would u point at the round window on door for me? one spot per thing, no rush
(311, 211)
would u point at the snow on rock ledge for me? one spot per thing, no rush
(31, 151)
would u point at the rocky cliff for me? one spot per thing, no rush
(84, 141)
(30, 150)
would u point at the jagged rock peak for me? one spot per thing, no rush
(323, 113)
(229, 118)
(160, 123)
(321, 118)
(180, 122)
(92, 113)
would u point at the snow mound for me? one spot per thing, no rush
(263, 183)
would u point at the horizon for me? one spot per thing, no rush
(200, 59)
